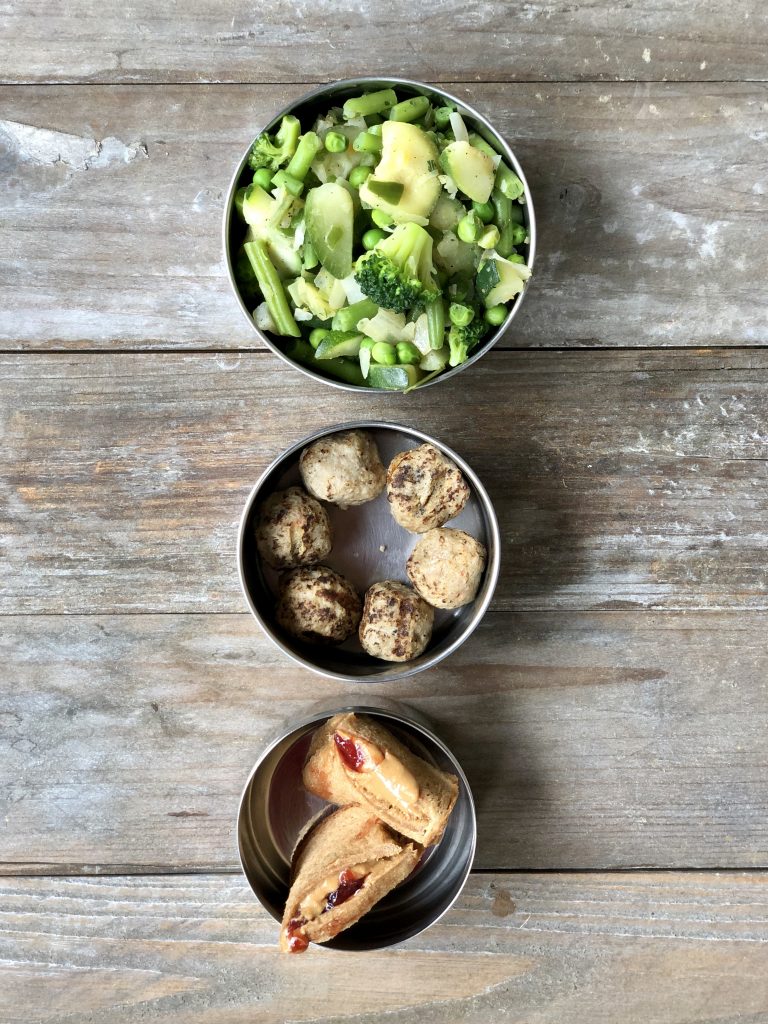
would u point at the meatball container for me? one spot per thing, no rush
(369, 546)
(275, 808)
(307, 108)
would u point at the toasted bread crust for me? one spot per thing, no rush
(326, 776)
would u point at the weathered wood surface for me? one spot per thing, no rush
(645, 949)
(650, 198)
(205, 41)
(590, 740)
(620, 479)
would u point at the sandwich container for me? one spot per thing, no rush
(371, 547)
(275, 811)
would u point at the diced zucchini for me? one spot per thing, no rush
(393, 378)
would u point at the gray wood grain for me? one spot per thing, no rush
(599, 740)
(650, 197)
(295, 41)
(664, 949)
(624, 479)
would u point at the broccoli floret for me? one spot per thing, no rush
(397, 273)
(274, 151)
(461, 340)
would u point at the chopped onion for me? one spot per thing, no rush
(353, 289)
(458, 127)
(302, 314)
(263, 318)
(421, 335)
(448, 184)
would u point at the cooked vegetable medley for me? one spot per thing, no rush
(384, 243)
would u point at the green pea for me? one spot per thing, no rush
(262, 178)
(358, 175)
(518, 234)
(335, 142)
(461, 315)
(383, 352)
(409, 110)
(469, 227)
(484, 211)
(496, 315)
(372, 237)
(407, 353)
(316, 336)
(516, 258)
(380, 218)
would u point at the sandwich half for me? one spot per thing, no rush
(354, 760)
(341, 869)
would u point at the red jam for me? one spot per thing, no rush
(348, 886)
(297, 943)
(352, 755)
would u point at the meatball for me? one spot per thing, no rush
(446, 567)
(293, 529)
(344, 468)
(319, 605)
(396, 623)
(425, 489)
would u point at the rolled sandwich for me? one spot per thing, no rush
(341, 869)
(354, 760)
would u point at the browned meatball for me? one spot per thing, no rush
(344, 468)
(319, 605)
(293, 529)
(446, 567)
(425, 489)
(396, 623)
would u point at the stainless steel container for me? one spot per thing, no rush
(370, 546)
(307, 108)
(275, 808)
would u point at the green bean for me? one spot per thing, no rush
(310, 260)
(496, 315)
(358, 175)
(461, 315)
(348, 317)
(372, 237)
(443, 116)
(508, 183)
(370, 103)
(436, 323)
(306, 151)
(503, 207)
(316, 336)
(367, 143)
(272, 289)
(409, 110)
(374, 129)
(263, 177)
(479, 143)
(335, 142)
(469, 227)
(383, 352)
(484, 211)
(287, 181)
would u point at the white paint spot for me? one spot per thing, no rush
(604, 99)
(653, 109)
(707, 249)
(646, 235)
(636, 190)
(45, 147)
(647, 55)
(758, 189)
(611, 227)
(703, 65)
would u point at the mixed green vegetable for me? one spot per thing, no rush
(384, 243)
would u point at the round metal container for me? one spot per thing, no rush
(317, 102)
(368, 546)
(275, 808)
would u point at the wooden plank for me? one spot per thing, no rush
(650, 201)
(598, 740)
(667, 949)
(281, 41)
(620, 479)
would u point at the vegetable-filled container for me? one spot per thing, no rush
(277, 814)
(379, 235)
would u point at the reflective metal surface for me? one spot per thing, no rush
(275, 808)
(307, 108)
(368, 546)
